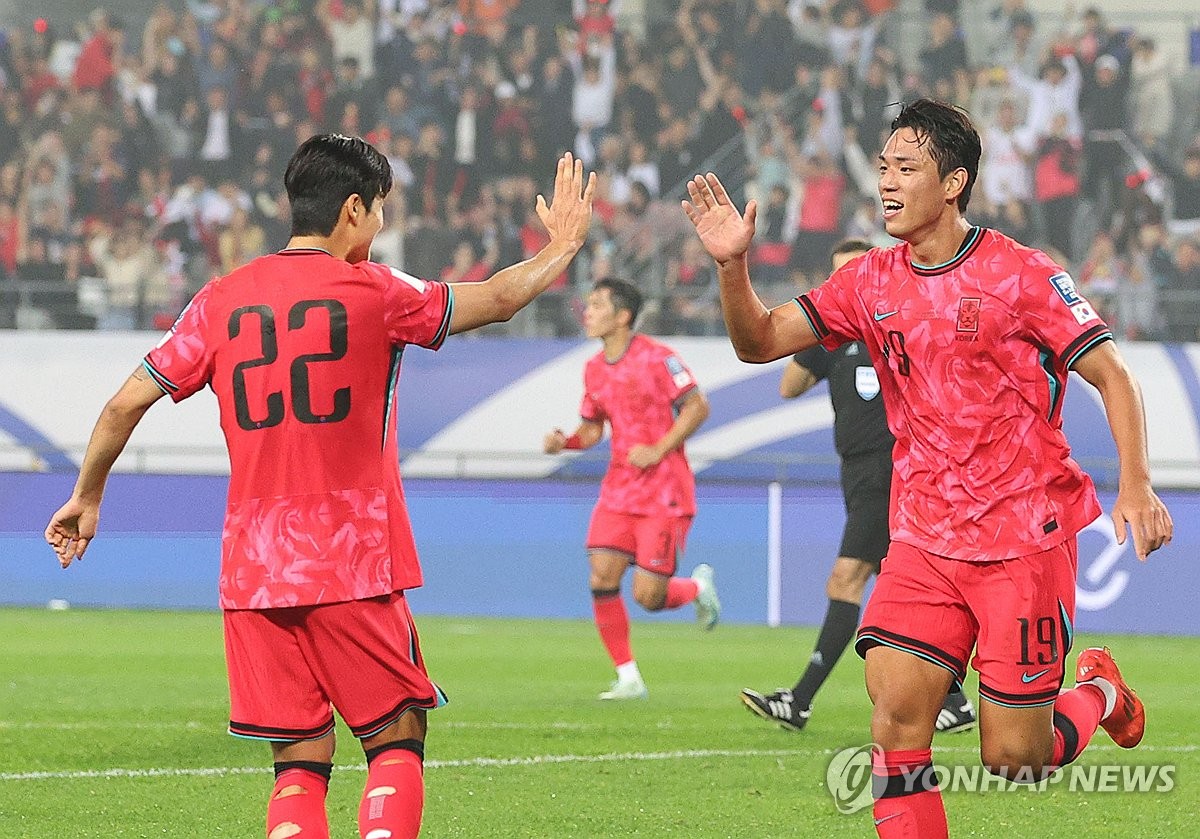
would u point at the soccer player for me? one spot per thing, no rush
(651, 401)
(302, 349)
(864, 447)
(973, 336)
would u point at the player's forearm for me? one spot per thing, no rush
(587, 435)
(796, 381)
(1127, 421)
(112, 432)
(747, 320)
(511, 289)
(691, 416)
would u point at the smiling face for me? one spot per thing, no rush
(915, 197)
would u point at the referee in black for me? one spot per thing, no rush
(864, 446)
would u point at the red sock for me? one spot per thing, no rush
(1077, 714)
(613, 623)
(908, 803)
(394, 796)
(681, 591)
(297, 806)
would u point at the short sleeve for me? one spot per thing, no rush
(1056, 314)
(832, 308)
(815, 360)
(416, 311)
(677, 380)
(182, 362)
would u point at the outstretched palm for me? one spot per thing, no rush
(569, 212)
(724, 232)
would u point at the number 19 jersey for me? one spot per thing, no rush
(303, 353)
(973, 357)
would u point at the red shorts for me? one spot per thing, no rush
(289, 668)
(1017, 613)
(653, 543)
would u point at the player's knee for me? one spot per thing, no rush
(896, 724)
(847, 582)
(1015, 762)
(652, 600)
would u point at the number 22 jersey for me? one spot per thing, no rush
(973, 357)
(303, 353)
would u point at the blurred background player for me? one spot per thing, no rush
(302, 349)
(974, 335)
(651, 401)
(864, 447)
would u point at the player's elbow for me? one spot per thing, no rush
(753, 354)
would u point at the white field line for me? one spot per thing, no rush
(491, 762)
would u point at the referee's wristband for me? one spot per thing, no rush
(573, 442)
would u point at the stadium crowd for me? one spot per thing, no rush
(140, 158)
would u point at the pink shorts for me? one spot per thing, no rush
(653, 543)
(1016, 613)
(289, 668)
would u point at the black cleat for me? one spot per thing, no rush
(955, 716)
(778, 707)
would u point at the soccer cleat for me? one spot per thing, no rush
(1127, 722)
(955, 717)
(708, 607)
(626, 689)
(778, 707)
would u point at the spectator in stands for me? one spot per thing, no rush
(1054, 92)
(132, 274)
(945, 56)
(1137, 297)
(351, 35)
(1185, 192)
(1102, 275)
(1151, 105)
(1183, 293)
(1015, 43)
(1004, 188)
(694, 306)
(1057, 180)
(240, 241)
(1102, 108)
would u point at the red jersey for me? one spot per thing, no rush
(638, 395)
(973, 357)
(303, 353)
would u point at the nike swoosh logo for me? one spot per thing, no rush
(885, 818)
(1026, 678)
(883, 315)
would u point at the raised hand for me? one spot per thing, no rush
(569, 213)
(724, 232)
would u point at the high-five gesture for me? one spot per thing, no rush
(724, 232)
(570, 210)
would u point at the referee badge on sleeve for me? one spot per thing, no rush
(866, 382)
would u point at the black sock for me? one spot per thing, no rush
(841, 621)
(956, 699)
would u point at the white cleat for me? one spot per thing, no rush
(708, 607)
(626, 689)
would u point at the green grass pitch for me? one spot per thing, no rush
(125, 713)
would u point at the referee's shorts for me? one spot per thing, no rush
(866, 489)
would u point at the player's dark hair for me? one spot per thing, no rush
(623, 295)
(953, 140)
(850, 246)
(325, 171)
